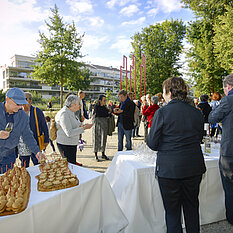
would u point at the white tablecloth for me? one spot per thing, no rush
(90, 207)
(138, 194)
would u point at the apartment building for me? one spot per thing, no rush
(19, 74)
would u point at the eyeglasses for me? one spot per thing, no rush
(28, 98)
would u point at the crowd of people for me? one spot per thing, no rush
(173, 125)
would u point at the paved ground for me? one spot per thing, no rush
(86, 157)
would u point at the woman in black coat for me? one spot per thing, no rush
(100, 128)
(176, 134)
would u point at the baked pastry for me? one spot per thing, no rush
(55, 175)
(15, 187)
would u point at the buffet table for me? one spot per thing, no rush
(90, 207)
(137, 191)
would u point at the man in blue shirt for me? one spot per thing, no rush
(11, 111)
(224, 113)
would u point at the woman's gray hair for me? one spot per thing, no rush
(71, 99)
(154, 99)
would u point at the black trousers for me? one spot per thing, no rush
(180, 194)
(228, 190)
(68, 151)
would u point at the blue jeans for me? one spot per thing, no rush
(25, 160)
(135, 130)
(121, 133)
(228, 190)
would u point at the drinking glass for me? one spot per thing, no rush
(9, 127)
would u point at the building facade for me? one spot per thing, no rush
(19, 74)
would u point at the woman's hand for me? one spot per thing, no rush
(4, 134)
(87, 126)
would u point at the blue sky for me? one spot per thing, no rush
(108, 25)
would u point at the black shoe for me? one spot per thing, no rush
(105, 157)
(96, 158)
(138, 136)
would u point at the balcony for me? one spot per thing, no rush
(25, 86)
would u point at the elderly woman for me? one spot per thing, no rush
(150, 111)
(100, 129)
(176, 134)
(69, 128)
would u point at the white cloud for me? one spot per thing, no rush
(17, 42)
(112, 3)
(152, 12)
(129, 10)
(80, 6)
(15, 13)
(166, 6)
(91, 42)
(170, 5)
(123, 45)
(96, 21)
(18, 36)
(103, 61)
(140, 21)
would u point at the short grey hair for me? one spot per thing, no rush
(154, 99)
(228, 80)
(29, 94)
(71, 99)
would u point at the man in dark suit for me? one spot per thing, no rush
(125, 120)
(176, 133)
(224, 113)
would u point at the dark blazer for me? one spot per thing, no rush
(224, 113)
(176, 133)
(128, 115)
(43, 128)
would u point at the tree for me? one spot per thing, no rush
(223, 39)
(83, 82)
(162, 45)
(57, 62)
(2, 95)
(205, 67)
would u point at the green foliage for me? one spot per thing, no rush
(37, 97)
(57, 62)
(204, 67)
(82, 81)
(161, 44)
(108, 95)
(223, 39)
(2, 96)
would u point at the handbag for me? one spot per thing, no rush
(40, 137)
